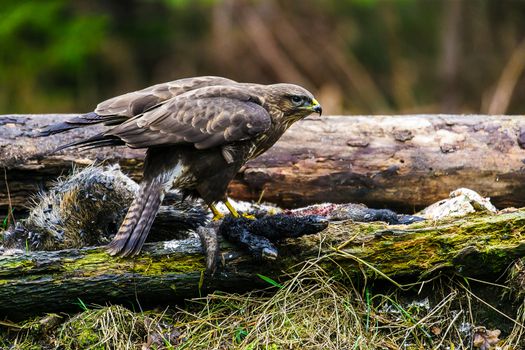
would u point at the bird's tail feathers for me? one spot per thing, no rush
(79, 122)
(98, 140)
(137, 223)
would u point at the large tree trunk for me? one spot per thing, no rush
(46, 281)
(400, 162)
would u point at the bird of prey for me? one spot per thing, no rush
(198, 133)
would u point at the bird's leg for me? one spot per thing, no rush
(230, 207)
(234, 212)
(217, 215)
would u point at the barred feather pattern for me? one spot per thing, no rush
(134, 229)
(138, 221)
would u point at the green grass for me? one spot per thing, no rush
(81, 304)
(270, 281)
(5, 222)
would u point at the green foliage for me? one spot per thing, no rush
(43, 43)
(47, 36)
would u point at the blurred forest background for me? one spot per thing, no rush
(359, 56)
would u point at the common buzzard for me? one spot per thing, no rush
(198, 133)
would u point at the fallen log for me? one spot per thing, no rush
(400, 162)
(35, 282)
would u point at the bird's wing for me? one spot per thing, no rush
(206, 118)
(118, 109)
(137, 102)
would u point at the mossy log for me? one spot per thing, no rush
(480, 246)
(398, 162)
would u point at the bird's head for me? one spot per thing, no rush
(293, 101)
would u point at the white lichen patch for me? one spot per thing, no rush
(462, 202)
(172, 245)
(178, 244)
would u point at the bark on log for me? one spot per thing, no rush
(476, 246)
(399, 162)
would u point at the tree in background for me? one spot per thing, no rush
(362, 56)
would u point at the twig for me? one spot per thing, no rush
(10, 216)
(508, 81)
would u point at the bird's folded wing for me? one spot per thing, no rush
(205, 117)
(137, 102)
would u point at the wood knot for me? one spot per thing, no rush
(403, 135)
(448, 148)
(357, 143)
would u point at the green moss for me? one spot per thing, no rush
(149, 266)
(93, 260)
(88, 337)
(21, 265)
(99, 262)
(419, 247)
(367, 228)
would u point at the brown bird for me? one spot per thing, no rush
(198, 133)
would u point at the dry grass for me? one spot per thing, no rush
(112, 327)
(311, 310)
(315, 311)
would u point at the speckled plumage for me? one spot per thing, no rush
(198, 132)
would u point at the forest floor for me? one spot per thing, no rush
(312, 309)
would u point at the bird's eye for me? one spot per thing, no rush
(297, 100)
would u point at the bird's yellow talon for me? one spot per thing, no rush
(217, 215)
(235, 213)
(232, 210)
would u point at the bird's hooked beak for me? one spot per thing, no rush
(316, 107)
